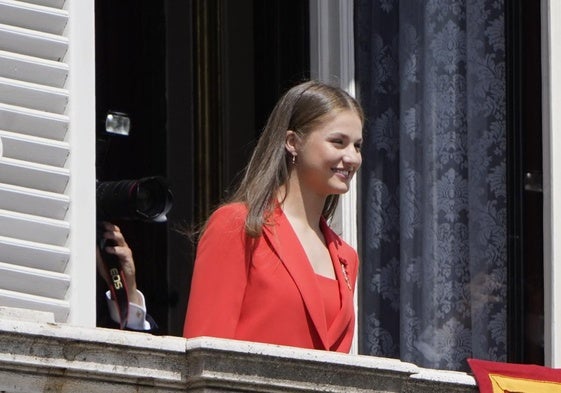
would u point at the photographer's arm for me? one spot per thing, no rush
(137, 319)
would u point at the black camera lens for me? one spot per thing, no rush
(146, 199)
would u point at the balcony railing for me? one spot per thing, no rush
(41, 356)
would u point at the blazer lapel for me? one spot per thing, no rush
(294, 258)
(346, 313)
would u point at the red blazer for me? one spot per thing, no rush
(267, 291)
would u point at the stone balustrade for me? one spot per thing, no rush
(39, 355)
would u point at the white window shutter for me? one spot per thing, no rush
(34, 157)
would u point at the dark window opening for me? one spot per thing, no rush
(524, 167)
(195, 112)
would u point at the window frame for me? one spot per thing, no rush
(82, 212)
(551, 120)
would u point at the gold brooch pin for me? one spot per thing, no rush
(346, 275)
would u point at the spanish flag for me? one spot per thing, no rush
(498, 377)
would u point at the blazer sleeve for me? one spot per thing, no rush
(219, 276)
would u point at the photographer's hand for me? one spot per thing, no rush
(119, 247)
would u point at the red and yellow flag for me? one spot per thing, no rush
(499, 377)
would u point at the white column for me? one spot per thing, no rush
(81, 112)
(551, 99)
(332, 61)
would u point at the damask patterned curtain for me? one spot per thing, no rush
(431, 76)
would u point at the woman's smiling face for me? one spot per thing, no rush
(329, 155)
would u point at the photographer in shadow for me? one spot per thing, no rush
(115, 247)
(119, 303)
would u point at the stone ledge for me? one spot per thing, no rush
(440, 381)
(75, 356)
(37, 357)
(228, 364)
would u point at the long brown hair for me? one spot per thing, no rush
(301, 109)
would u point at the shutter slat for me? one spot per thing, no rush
(33, 69)
(33, 122)
(34, 177)
(33, 228)
(30, 175)
(34, 17)
(48, 3)
(59, 308)
(33, 149)
(32, 43)
(35, 202)
(34, 255)
(34, 96)
(33, 281)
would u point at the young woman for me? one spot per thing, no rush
(268, 267)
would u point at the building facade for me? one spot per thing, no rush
(48, 218)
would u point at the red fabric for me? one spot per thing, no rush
(482, 369)
(269, 295)
(331, 300)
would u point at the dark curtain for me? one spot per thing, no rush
(431, 78)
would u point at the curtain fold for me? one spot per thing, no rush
(431, 78)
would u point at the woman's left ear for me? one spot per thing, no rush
(291, 142)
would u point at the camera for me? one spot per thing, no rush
(147, 199)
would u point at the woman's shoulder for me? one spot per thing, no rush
(227, 218)
(346, 252)
(233, 212)
(231, 209)
(345, 247)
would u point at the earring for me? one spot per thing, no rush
(294, 159)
